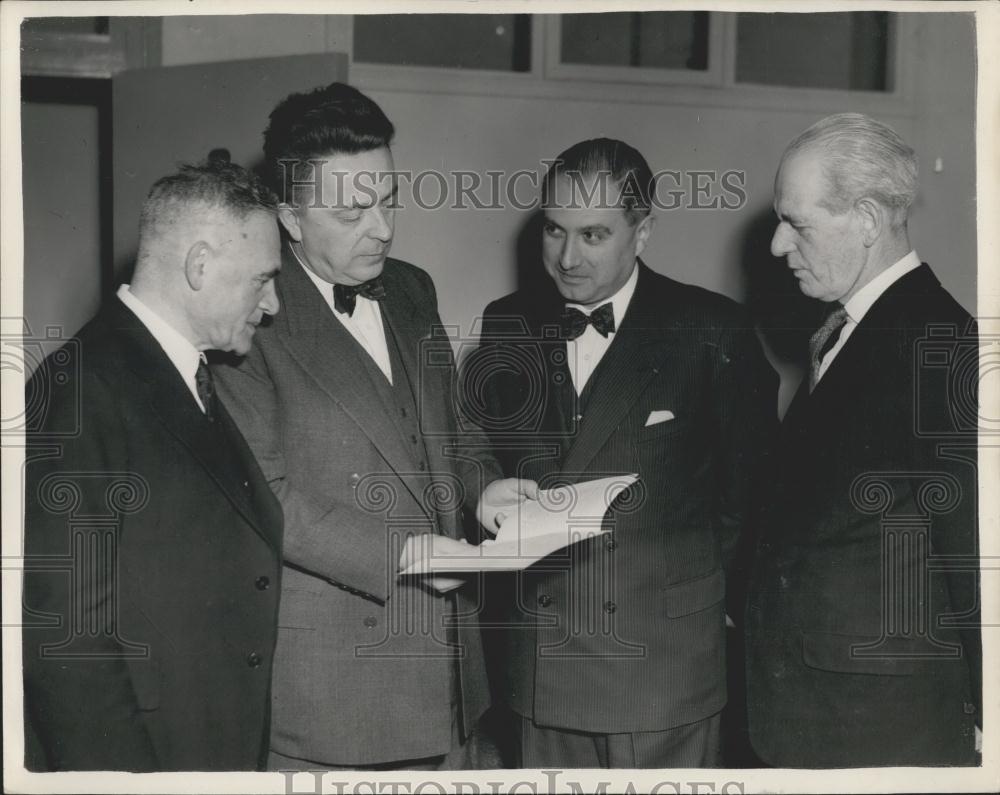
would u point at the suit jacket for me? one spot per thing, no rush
(152, 566)
(626, 632)
(366, 662)
(863, 646)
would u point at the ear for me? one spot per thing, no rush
(642, 232)
(290, 221)
(872, 217)
(195, 264)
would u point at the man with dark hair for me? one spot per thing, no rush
(347, 403)
(152, 543)
(616, 650)
(863, 619)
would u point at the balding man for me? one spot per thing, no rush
(863, 636)
(152, 540)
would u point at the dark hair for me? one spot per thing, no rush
(216, 183)
(626, 167)
(335, 119)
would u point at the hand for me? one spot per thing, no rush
(429, 546)
(500, 497)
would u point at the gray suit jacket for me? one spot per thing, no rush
(364, 666)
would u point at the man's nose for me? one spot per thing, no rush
(269, 303)
(781, 241)
(570, 255)
(381, 225)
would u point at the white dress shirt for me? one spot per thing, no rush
(365, 325)
(585, 352)
(859, 304)
(184, 356)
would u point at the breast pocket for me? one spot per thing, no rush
(660, 430)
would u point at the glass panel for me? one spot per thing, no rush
(654, 39)
(845, 51)
(91, 25)
(466, 41)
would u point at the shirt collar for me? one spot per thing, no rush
(619, 301)
(859, 304)
(184, 356)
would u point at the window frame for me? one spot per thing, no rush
(555, 69)
(658, 86)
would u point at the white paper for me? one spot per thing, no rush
(560, 517)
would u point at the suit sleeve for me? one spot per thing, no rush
(954, 529)
(342, 543)
(744, 393)
(83, 707)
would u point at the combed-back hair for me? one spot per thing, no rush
(862, 157)
(334, 119)
(627, 168)
(215, 184)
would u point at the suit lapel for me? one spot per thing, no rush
(328, 352)
(634, 358)
(172, 402)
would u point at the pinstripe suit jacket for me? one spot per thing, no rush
(626, 632)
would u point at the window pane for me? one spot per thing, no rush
(91, 25)
(655, 39)
(845, 50)
(467, 41)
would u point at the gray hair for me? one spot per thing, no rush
(862, 157)
(214, 184)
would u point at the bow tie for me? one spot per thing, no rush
(345, 296)
(573, 322)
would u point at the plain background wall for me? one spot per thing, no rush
(473, 255)
(62, 242)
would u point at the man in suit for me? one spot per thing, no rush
(346, 402)
(152, 543)
(862, 625)
(615, 650)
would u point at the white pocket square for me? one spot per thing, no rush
(656, 417)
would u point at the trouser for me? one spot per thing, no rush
(695, 744)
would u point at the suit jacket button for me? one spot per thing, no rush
(544, 600)
(371, 621)
(262, 583)
(246, 485)
(354, 480)
(610, 607)
(254, 660)
(970, 709)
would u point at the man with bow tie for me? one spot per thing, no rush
(347, 405)
(615, 650)
(862, 624)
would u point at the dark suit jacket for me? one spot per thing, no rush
(364, 663)
(626, 633)
(854, 655)
(153, 566)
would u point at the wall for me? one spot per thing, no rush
(62, 245)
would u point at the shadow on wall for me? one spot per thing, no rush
(530, 272)
(784, 317)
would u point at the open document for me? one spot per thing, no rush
(560, 517)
